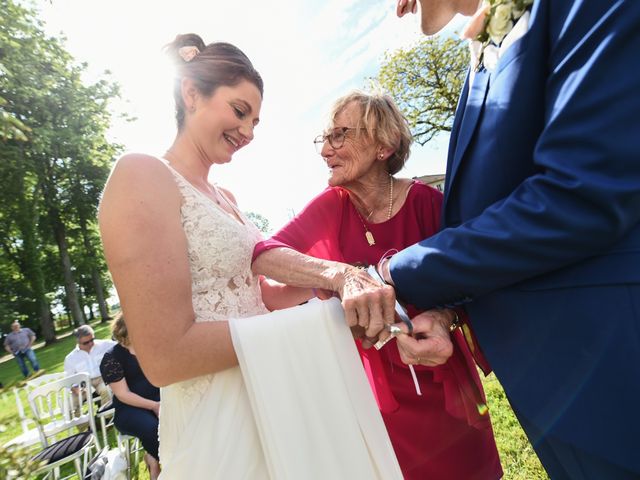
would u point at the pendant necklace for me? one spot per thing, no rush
(367, 233)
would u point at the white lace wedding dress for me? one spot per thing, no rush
(207, 430)
(307, 413)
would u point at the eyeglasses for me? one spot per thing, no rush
(335, 138)
(88, 341)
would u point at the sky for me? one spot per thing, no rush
(309, 53)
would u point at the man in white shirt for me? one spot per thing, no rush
(86, 357)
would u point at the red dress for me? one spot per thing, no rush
(446, 432)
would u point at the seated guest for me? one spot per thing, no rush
(86, 357)
(136, 401)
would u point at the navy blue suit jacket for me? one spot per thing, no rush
(541, 224)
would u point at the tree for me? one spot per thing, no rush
(51, 176)
(425, 81)
(259, 221)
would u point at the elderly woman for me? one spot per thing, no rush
(436, 415)
(136, 401)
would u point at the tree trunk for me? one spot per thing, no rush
(95, 275)
(82, 304)
(102, 304)
(49, 190)
(47, 325)
(70, 287)
(30, 261)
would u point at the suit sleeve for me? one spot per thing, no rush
(586, 196)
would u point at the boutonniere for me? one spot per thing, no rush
(488, 27)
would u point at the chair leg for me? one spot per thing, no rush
(128, 453)
(136, 451)
(78, 465)
(103, 427)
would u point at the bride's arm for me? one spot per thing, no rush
(146, 251)
(277, 296)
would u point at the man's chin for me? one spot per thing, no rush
(430, 29)
(433, 22)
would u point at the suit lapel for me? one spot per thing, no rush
(457, 120)
(461, 136)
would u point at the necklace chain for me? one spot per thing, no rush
(367, 233)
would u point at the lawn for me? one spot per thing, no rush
(518, 458)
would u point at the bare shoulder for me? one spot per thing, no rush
(137, 167)
(137, 174)
(139, 185)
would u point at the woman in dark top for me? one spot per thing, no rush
(136, 401)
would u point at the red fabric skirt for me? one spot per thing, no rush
(430, 442)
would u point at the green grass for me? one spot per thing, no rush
(518, 458)
(51, 359)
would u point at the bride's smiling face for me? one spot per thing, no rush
(224, 122)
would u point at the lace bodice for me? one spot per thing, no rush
(220, 249)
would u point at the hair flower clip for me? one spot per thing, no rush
(188, 53)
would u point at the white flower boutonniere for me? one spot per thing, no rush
(490, 24)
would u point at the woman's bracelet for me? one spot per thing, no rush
(385, 258)
(456, 322)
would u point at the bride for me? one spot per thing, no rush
(179, 251)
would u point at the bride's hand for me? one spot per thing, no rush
(366, 302)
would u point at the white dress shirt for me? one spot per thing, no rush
(493, 53)
(80, 361)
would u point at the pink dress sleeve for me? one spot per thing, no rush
(314, 231)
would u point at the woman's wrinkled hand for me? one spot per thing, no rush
(367, 303)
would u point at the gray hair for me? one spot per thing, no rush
(83, 331)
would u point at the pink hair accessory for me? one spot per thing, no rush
(188, 53)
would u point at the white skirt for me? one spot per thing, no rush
(298, 407)
(315, 412)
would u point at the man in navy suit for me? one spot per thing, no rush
(540, 240)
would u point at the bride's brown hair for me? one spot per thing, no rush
(214, 65)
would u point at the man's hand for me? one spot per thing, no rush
(431, 343)
(366, 302)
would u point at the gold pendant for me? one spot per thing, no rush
(369, 236)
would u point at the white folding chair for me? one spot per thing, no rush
(130, 445)
(42, 379)
(58, 420)
(30, 435)
(105, 416)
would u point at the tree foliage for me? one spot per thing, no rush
(425, 81)
(259, 221)
(54, 161)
